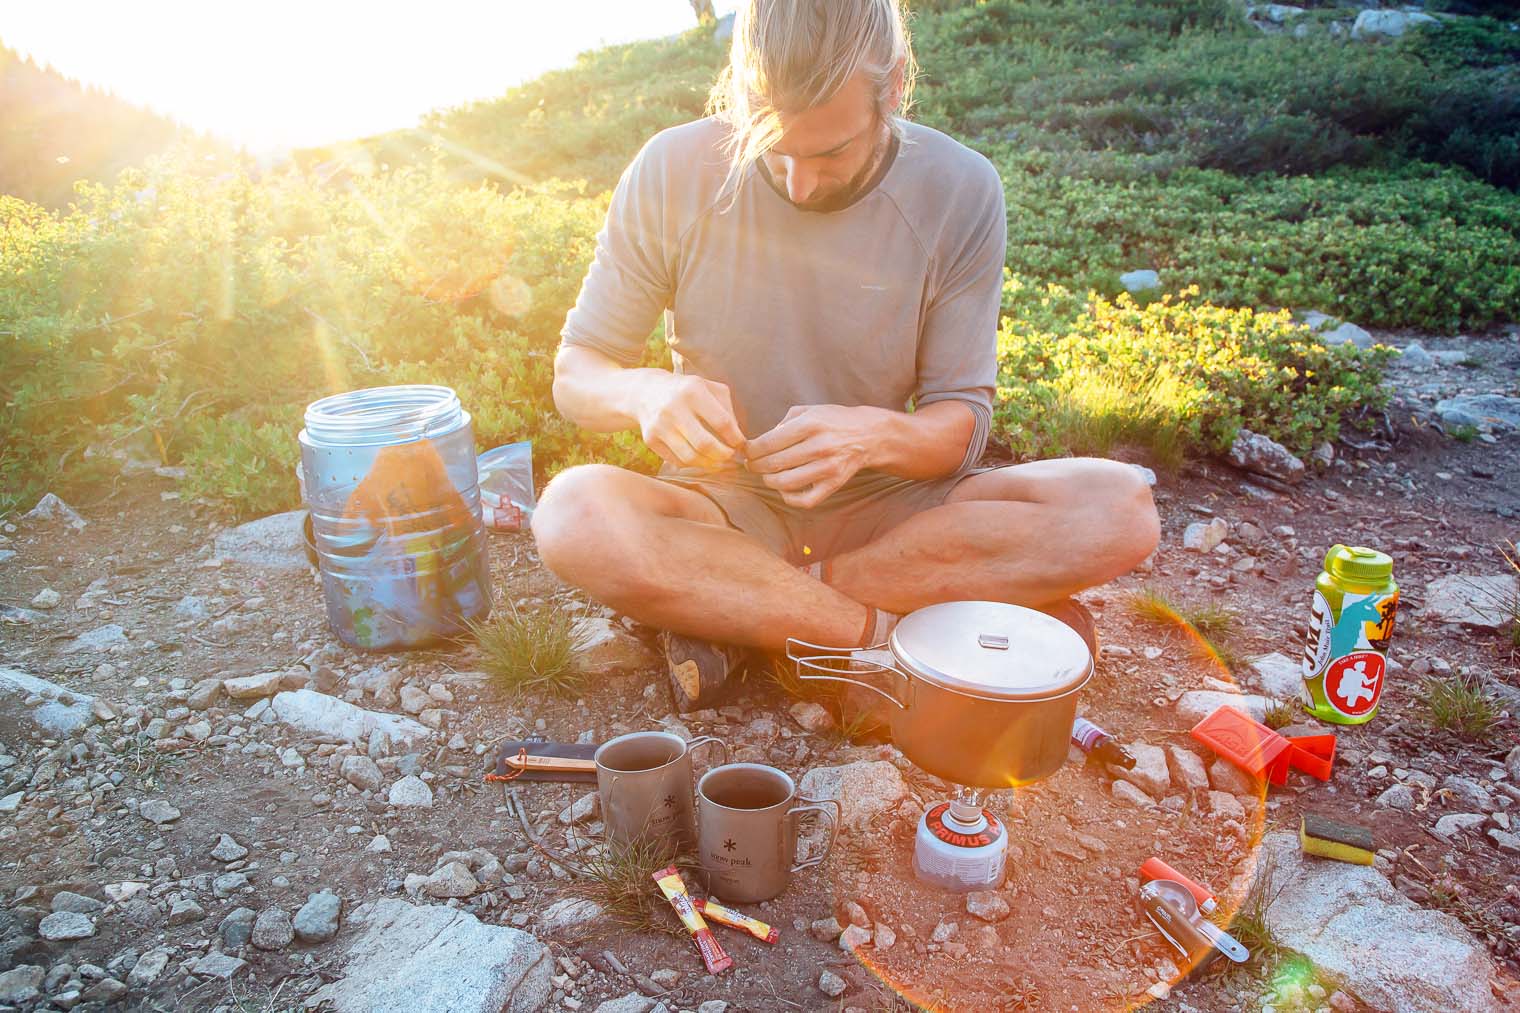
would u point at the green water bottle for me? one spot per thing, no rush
(1346, 658)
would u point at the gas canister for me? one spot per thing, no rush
(1346, 658)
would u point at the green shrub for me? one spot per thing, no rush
(1176, 376)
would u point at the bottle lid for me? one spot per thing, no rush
(1358, 564)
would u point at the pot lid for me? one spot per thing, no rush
(992, 650)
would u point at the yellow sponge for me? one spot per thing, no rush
(1345, 842)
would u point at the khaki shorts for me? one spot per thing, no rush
(869, 506)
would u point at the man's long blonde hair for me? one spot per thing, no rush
(788, 56)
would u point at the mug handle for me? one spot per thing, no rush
(693, 745)
(834, 817)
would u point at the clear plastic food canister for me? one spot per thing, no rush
(391, 484)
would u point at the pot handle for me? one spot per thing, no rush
(829, 664)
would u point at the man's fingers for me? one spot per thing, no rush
(787, 458)
(792, 429)
(814, 494)
(725, 422)
(797, 479)
(717, 413)
(703, 443)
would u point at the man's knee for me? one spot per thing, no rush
(575, 518)
(1128, 518)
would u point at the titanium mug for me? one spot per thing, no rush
(749, 816)
(644, 779)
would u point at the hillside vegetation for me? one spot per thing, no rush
(54, 131)
(190, 318)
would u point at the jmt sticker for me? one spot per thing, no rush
(1354, 683)
(1317, 645)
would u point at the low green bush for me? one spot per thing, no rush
(1176, 376)
(204, 314)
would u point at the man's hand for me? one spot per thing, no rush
(815, 450)
(690, 421)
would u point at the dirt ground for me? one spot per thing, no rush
(1073, 939)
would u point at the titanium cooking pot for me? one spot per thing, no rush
(983, 693)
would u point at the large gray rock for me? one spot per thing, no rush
(1277, 676)
(1375, 24)
(61, 926)
(55, 710)
(1484, 411)
(102, 638)
(568, 914)
(1149, 773)
(411, 792)
(1201, 536)
(864, 790)
(409, 958)
(253, 687)
(1137, 282)
(272, 930)
(274, 542)
(1198, 704)
(1264, 456)
(51, 508)
(1472, 599)
(604, 648)
(1360, 931)
(327, 718)
(317, 921)
(1348, 334)
(20, 984)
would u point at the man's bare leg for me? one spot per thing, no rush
(666, 556)
(1028, 534)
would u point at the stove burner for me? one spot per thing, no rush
(939, 816)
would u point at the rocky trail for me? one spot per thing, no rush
(208, 802)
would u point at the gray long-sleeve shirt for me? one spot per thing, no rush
(892, 301)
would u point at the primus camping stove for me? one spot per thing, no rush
(983, 695)
(960, 846)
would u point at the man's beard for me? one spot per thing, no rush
(851, 191)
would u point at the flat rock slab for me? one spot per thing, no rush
(410, 957)
(1482, 411)
(1198, 704)
(328, 718)
(606, 649)
(1472, 599)
(1352, 923)
(864, 790)
(59, 712)
(274, 542)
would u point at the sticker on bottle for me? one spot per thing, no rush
(1317, 643)
(1354, 683)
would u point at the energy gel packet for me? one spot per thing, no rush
(716, 912)
(674, 889)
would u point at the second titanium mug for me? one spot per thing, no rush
(748, 818)
(645, 779)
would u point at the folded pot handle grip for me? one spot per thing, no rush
(830, 664)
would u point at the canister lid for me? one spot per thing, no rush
(1359, 564)
(992, 650)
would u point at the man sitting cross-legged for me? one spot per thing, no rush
(831, 276)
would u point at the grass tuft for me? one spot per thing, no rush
(1251, 927)
(1280, 714)
(1461, 704)
(620, 878)
(532, 649)
(1211, 628)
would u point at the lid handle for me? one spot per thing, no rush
(992, 641)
